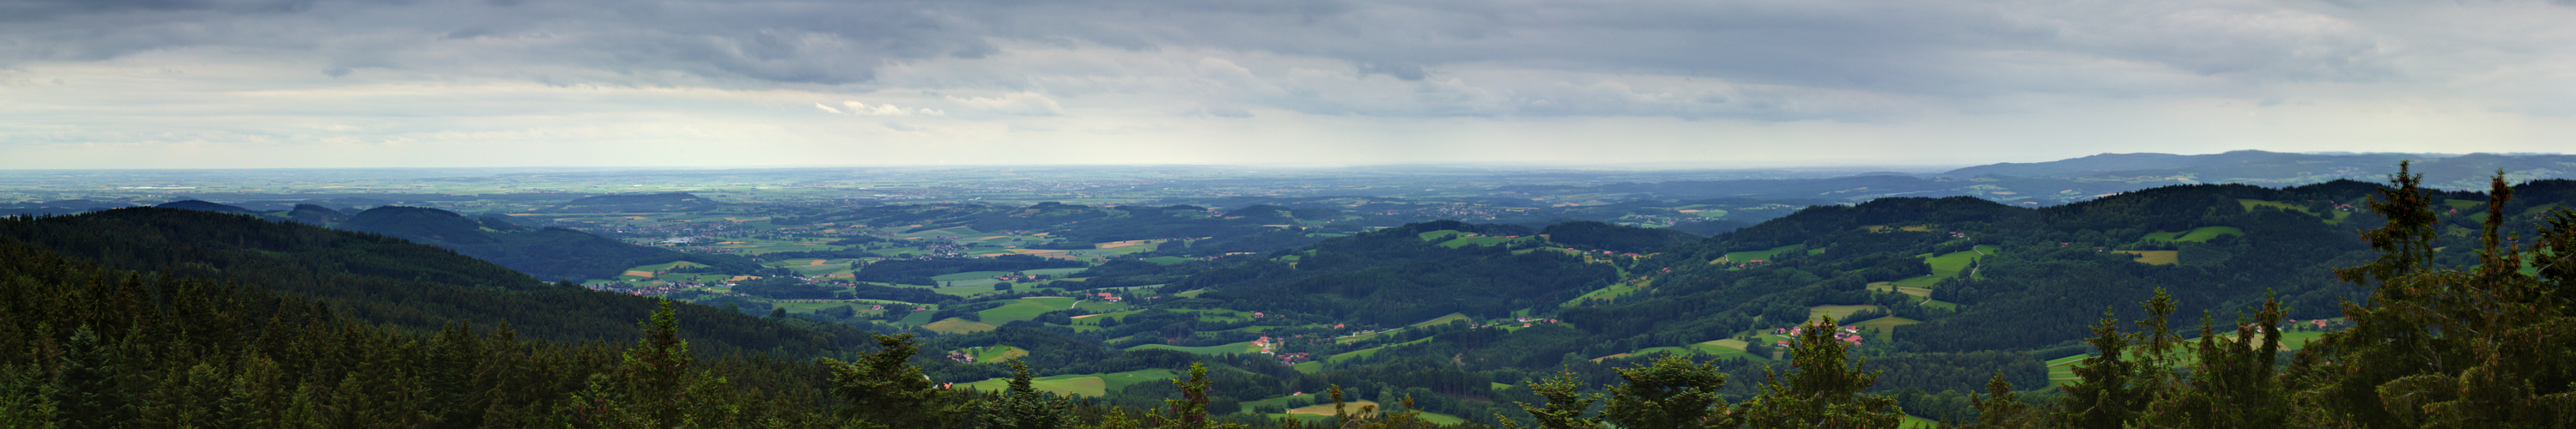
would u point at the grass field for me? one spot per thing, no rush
(995, 354)
(1025, 309)
(2155, 257)
(1923, 282)
(2195, 235)
(1326, 410)
(2061, 371)
(1838, 312)
(1452, 317)
(1946, 266)
(1908, 290)
(1615, 290)
(1308, 367)
(1227, 348)
(1757, 255)
(1079, 384)
(1912, 422)
(1885, 325)
(2251, 204)
(1372, 351)
(1943, 267)
(957, 326)
(1722, 349)
(1479, 241)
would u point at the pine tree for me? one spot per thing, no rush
(1824, 393)
(653, 385)
(1671, 392)
(2001, 408)
(1024, 407)
(2102, 396)
(22, 400)
(2484, 346)
(1564, 409)
(884, 390)
(2233, 382)
(86, 394)
(1190, 411)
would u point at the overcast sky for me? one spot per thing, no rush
(1711, 83)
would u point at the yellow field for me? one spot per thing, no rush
(957, 326)
(1908, 290)
(1058, 254)
(1327, 409)
(640, 273)
(1118, 244)
(2155, 257)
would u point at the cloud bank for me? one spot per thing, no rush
(270, 83)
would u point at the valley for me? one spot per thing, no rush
(1461, 302)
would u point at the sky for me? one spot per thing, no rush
(1702, 83)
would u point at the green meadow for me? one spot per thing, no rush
(1093, 385)
(2195, 235)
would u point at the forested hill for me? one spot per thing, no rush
(2023, 278)
(1947, 291)
(390, 280)
(551, 253)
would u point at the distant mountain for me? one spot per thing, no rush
(317, 215)
(2277, 169)
(662, 202)
(57, 207)
(2086, 178)
(550, 253)
(204, 207)
(1830, 189)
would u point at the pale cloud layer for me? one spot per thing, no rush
(297, 83)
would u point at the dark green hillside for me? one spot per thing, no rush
(551, 253)
(203, 206)
(317, 215)
(1394, 275)
(637, 203)
(1597, 235)
(384, 279)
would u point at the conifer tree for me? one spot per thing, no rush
(85, 392)
(1826, 392)
(1190, 411)
(1024, 407)
(1671, 392)
(2003, 409)
(653, 385)
(2484, 346)
(1565, 407)
(2232, 382)
(885, 390)
(22, 400)
(1371, 416)
(2103, 396)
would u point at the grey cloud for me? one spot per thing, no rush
(1398, 71)
(1796, 50)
